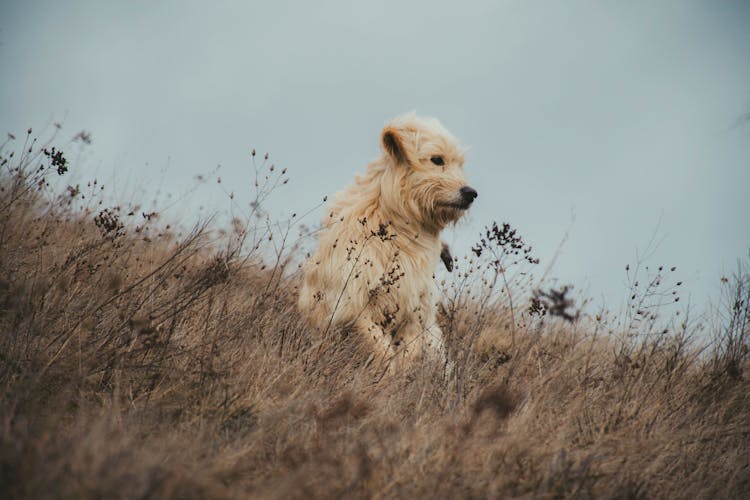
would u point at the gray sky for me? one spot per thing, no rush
(620, 114)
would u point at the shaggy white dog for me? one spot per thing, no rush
(380, 242)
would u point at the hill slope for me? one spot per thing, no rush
(139, 363)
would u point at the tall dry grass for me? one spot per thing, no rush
(136, 361)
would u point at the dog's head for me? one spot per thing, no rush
(425, 170)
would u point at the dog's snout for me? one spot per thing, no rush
(468, 193)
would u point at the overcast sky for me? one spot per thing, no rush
(604, 118)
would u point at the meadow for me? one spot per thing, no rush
(141, 360)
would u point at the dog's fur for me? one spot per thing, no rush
(380, 242)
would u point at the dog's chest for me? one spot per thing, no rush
(405, 294)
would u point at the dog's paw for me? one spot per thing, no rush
(446, 257)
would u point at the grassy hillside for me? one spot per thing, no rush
(140, 362)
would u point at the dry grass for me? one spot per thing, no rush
(139, 363)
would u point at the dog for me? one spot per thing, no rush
(380, 243)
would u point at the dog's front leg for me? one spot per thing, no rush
(376, 337)
(418, 342)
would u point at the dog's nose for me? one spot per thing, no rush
(468, 194)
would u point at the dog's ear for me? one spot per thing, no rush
(393, 145)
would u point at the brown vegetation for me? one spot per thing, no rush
(135, 362)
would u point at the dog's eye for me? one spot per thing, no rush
(437, 160)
